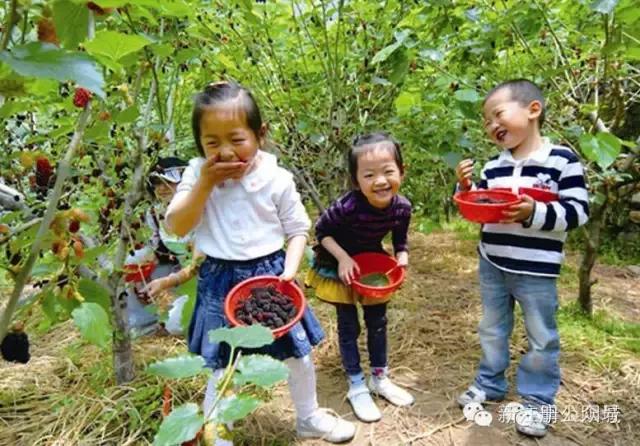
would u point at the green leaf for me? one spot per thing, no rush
(173, 8)
(44, 60)
(260, 370)
(399, 66)
(94, 292)
(93, 323)
(236, 407)
(385, 52)
(98, 132)
(43, 88)
(406, 101)
(177, 248)
(162, 49)
(182, 424)
(452, 159)
(467, 95)
(253, 336)
(48, 304)
(10, 108)
(633, 52)
(71, 21)
(189, 288)
(119, 3)
(183, 366)
(434, 55)
(187, 54)
(604, 6)
(44, 269)
(115, 45)
(603, 148)
(127, 115)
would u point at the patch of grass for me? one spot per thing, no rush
(608, 339)
(613, 252)
(464, 230)
(568, 276)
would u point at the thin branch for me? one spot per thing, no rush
(8, 24)
(20, 229)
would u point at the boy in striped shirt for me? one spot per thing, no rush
(520, 257)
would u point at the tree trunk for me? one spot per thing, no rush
(122, 351)
(593, 230)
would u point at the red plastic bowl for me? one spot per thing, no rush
(138, 273)
(541, 195)
(242, 291)
(484, 212)
(375, 262)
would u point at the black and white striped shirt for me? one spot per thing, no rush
(536, 249)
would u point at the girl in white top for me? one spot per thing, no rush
(242, 208)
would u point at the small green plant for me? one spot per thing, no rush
(250, 374)
(610, 337)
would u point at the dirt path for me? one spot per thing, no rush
(434, 350)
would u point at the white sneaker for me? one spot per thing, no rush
(472, 395)
(391, 392)
(530, 421)
(324, 425)
(362, 403)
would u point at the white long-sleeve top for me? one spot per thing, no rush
(247, 218)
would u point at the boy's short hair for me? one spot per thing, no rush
(524, 92)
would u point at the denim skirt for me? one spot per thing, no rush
(215, 280)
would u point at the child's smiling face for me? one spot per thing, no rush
(378, 175)
(507, 122)
(164, 190)
(224, 132)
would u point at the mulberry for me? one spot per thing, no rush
(74, 226)
(47, 31)
(15, 347)
(44, 172)
(81, 97)
(268, 307)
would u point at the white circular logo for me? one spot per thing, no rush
(471, 409)
(483, 418)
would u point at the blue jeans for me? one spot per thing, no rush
(375, 318)
(538, 375)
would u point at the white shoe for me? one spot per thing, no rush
(391, 392)
(362, 403)
(324, 425)
(472, 395)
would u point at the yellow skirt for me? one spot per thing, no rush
(336, 292)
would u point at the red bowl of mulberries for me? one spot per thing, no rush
(265, 300)
(485, 206)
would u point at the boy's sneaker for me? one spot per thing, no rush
(391, 392)
(530, 421)
(472, 395)
(362, 403)
(327, 426)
